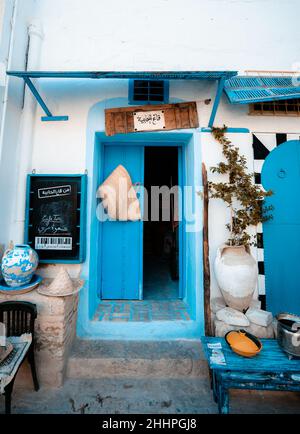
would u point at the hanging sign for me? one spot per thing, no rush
(55, 217)
(147, 121)
(161, 117)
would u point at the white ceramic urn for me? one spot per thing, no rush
(236, 274)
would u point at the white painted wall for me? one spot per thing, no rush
(6, 16)
(170, 34)
(55, 142)
(1, 14)
(14, 99)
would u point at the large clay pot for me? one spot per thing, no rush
(19, 264)
(236, 274)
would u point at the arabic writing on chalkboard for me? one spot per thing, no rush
(62, 190)
(55, 218)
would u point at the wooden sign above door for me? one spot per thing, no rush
(151, 118)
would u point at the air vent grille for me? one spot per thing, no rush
(149, 92)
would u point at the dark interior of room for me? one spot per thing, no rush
(161, 270)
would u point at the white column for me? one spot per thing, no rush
(25, 145)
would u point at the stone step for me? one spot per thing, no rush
(136, 359)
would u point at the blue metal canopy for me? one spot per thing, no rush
(220, 76)
(247, 89)
(146, 75)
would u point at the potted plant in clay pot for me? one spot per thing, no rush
(235, 268)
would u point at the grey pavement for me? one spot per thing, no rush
(144, 396)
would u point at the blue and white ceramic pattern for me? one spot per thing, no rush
(1, 255)
(19, 264)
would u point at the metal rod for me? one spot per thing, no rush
(216, 102)
(37, 96)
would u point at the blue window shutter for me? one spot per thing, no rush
(247, 90)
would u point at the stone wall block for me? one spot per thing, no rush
(221, 328)
(55, 329)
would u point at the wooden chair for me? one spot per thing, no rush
(19, 318)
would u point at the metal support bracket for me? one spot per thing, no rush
(220, 89)
(49, 116)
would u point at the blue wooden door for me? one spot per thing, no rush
(122, 241)
(281, 173)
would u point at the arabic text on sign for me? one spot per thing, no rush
(62, 190)
(154, 120)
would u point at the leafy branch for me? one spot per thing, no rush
(242, 196)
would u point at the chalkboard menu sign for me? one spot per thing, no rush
(55, 217)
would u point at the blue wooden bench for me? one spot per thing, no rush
(271, 369)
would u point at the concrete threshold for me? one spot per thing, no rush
(136, 359)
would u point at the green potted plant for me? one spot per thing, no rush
(235, 268)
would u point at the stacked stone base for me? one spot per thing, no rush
(221, 327)
(55, 329)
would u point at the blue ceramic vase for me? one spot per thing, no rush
(19, 264)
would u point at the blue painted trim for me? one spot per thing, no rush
(142, 142)
(147, 137)
(220, 88)
(41, 102)
(54, 118)
(58, 175)
(133, 101)
(27, 209)
(60, 261)
(146, 331)
(37, 96)
(229, 130)
(83, 205)
(147, 75)
(82, 230)
(130, 91)
(113, 141)
(181, 226)
(290, 95)
(99, 161)
(141, 199)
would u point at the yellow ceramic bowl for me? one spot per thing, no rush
(243, 343)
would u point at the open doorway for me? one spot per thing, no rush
(161, 237)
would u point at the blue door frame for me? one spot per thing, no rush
(101, 291)
(192, 275)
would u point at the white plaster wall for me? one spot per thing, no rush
(1, 11)
(2, 19)
(60, 146)
(6, 13)
(170, 34)
(8, 146)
